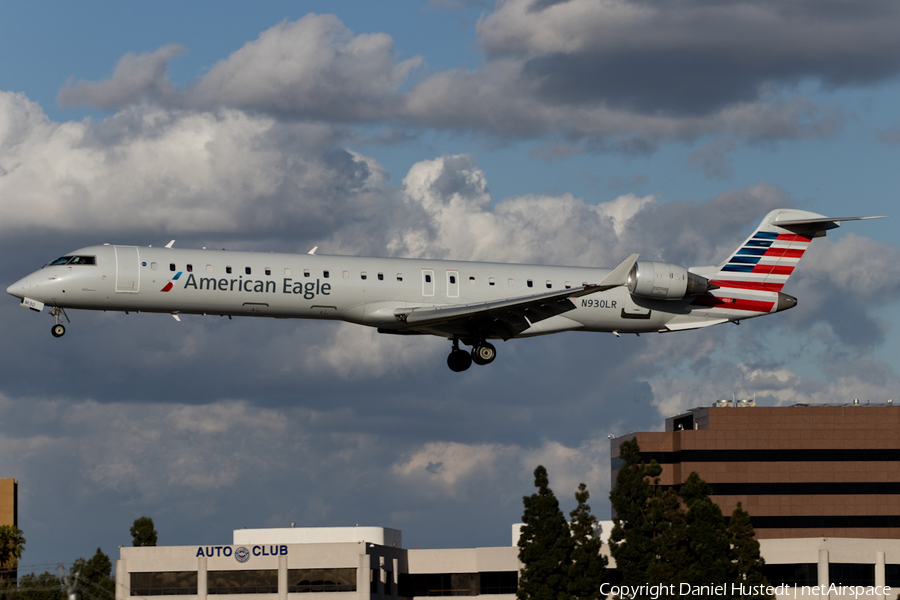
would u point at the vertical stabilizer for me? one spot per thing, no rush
(768, 258)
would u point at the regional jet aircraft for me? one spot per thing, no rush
(466, 302)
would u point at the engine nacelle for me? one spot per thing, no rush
(662, 281)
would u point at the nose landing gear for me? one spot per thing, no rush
(59, 329)
(482, 353)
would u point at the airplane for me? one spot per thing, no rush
(466, 302)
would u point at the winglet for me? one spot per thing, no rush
(313, 251)
(170, 244)
(619, 275)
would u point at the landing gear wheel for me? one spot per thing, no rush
(459, 361)
(484, 353)
(58, 330)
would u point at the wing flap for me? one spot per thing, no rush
(509, 316)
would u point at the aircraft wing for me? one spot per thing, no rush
(507, 317)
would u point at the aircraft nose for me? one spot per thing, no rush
(18, 288)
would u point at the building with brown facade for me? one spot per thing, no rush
(9, 515)
(9, 502)
(828, 471)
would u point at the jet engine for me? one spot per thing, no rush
(662, 281)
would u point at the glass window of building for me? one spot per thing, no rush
(302, 581)
(242, 582)
(166, 583)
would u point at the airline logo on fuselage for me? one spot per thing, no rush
(171, 283)
(307, 289)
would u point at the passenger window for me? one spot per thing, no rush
(209, 268)
(172, 266)
(511, 281)
(325, 274)
(427, 278)
(530, 283)
(247, 270)
(399, 276)
(362, 275)
(306, 272)
(491, 281)
(287, 272)
(346, 274)
(381, 277)
(568, 285)
(472, 280)
(228, 269)
(268, 271)
(190, 268)
(549, 284)
(453, 279)
(153, 266)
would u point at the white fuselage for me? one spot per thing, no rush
(368, 291)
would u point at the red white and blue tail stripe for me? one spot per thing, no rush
(752, 278)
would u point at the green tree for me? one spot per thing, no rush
(142, 532)
(670, 557)
(45, 586)
(588, 567)
(95, 580)
(12, 544)
(745, 553)
(545, 545)
(632, 538)
(709, 544)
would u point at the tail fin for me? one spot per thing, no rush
(768, 258)
(753, 276)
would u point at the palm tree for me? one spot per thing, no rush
(12, 543)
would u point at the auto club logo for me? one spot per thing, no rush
(242, 555)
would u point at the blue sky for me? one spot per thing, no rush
(136, 123)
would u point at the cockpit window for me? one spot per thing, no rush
(74, 260)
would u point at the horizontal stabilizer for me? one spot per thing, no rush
(817, 224)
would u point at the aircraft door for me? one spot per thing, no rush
(453, 284)
(128, 269)
(427, 282)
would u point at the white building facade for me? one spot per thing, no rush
(364, 563)
(369, 563)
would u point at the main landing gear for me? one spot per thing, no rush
(59, 329)
(482, 353)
